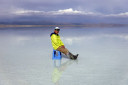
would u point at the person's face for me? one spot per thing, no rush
(57, 31)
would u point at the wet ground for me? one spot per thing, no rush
(26, 57)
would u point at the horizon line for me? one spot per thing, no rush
(66, 25)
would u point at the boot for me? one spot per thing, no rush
(75, 56)
(71, 56)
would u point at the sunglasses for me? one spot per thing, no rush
(57, 29)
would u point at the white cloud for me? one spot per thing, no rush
(69, 11)
(124, 14)
(27, 12)
(118, 15)
(71, 40)
(78, 40)
(122, 36)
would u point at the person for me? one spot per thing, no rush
(58, 44)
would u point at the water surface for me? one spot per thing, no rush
(26, 57)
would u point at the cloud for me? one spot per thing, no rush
(124, 14)
(94, 6)
(88, 11)
(118, 15)
(121, 36)
(72, 40)
(69, 11)
(27, 12)
(69, 15)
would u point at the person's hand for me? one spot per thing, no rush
(63, 46)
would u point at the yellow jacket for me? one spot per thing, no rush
(56, 41)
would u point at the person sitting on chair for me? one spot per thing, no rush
(58, 44)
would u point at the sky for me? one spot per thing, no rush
(91, 10)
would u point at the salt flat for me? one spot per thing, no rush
(26, 57)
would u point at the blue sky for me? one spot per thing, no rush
(44, 8)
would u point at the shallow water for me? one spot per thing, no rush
(26, 57)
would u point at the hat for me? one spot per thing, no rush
(57, 28)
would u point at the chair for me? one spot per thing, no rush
(56, 55)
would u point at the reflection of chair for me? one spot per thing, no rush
(56, 55)
(57, 63)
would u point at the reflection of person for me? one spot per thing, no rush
(58, 44)
(58, 70)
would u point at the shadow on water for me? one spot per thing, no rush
(59, 68)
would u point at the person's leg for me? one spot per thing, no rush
(63, 50)
(66, 52)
